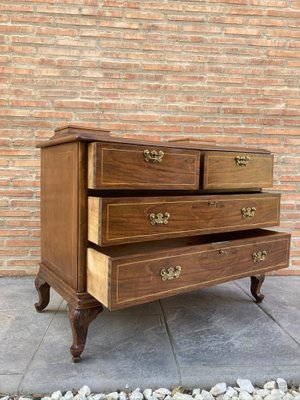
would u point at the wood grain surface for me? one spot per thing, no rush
(136, 278)
(222, 172)
(121, 166)
(125, 220)
(59, 211)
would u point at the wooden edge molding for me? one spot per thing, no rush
(78, 300)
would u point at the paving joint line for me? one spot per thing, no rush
(171, 341)
(38, 346)
(260, 305)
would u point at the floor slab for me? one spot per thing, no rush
(9, 383)
(19, 294)
(195, 339)
(22, 328)
(122, 351)
(222, 327)
(281, 302)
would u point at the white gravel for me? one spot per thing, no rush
(244, 390)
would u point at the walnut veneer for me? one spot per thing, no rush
(127, 221)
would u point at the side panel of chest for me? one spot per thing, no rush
(63, 212)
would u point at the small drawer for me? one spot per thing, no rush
(132, 274)
(135, 219)
(120, 166)
(236, 170)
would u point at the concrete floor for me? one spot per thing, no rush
(194, 340)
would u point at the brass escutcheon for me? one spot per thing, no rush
(242, 161)
(259, 256)
(248, 212)
(224, 252)
(159, 219)
(153, 156)
(212, 203)
(170, 273)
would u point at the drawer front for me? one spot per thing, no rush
(139, 279)
(235, 170)
(114, 166)
(115, 221)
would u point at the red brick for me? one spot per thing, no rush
(32, 40)
(22, 223)
(21, 263)
(8, 6)
(269, 3)
(224, 71)
(283, 53)
(16, 29)
(242, 31)
(14, 232)
(53, 114)
(119, 24)
(31, 18)
(74, 104)
(13, 252)
(122, 4)
(16, 71)
(29, 103)
(49, 9)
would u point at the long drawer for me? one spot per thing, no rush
(134, 219)
(131, 274)
(121, 166)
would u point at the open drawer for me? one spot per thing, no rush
(115, 220)
(132, 274)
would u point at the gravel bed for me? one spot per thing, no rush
(244, 390)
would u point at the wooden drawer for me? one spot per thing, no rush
(120, 166)
(134, 219)
(133, 274)
(235, 170)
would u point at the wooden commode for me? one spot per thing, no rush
(124, 221)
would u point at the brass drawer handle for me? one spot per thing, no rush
(153, 156)
(248, 212)
(159, 219)
(259, 256)
(170, 273)
(224, 252)
(242, 161)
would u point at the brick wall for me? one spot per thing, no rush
(220, 70)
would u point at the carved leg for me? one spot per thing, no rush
(43, 290)
(256, 282)
(80, 320)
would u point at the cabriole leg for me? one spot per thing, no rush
(256, 282)
(43, 290)
(80, 320)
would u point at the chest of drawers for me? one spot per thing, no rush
(124, 222)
